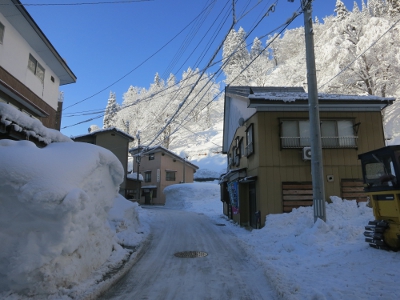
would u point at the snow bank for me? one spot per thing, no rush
(199, 196)
(307, 260)
(125, 222)
(53, 221)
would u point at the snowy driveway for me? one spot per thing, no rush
(225, 273)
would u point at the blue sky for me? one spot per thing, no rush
(110, 47)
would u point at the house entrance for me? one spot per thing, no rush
(252, 204)
(149, 194)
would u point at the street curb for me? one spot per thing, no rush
(104, 286)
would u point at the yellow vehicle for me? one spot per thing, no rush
(381, 173)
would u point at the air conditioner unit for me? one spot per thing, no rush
(307, 153)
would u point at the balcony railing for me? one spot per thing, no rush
(326, 141)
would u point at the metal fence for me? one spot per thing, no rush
(326, 141)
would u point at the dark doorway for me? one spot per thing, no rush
(253, 204)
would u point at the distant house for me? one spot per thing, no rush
(114, 140)
(31, 72)
(160, 168)
(133, 186)
(267, 140)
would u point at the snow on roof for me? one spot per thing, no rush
(293, 96)
(134, 176)
(21, 122)
(95, 132)
(154, 149)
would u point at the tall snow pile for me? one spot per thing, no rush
(54, 225)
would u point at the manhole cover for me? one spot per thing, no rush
(190, 254)
(219, 224)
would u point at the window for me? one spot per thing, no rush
(170, 175)
(380, 172)
(36, 67)
(151, 156)
(147, 176)
(1, 33)
(241, 147)
(237, 151)
(334, 134)
(249, 140)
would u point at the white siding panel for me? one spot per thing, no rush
(237, 109)
(14, 55)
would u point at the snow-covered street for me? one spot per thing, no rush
(227, 272)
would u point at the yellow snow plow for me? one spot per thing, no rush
(381, 174)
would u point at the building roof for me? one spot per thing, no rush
(22, 21)
(105, 130)
(151, 150)
(296, 99)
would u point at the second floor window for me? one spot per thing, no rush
(36, 67)
(334, 134)
(147, 176)
(151, 156)
(249, 140)
(1, 33)
(170, 175)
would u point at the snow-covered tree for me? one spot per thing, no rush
(111, 111)
(394, 7)
(341, 10)
(235, 58)
(260, 64)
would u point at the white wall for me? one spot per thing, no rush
(237, 109)
(14, 56)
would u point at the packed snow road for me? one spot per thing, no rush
(225, 273)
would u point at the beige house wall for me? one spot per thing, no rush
(162, 163)
(119, 146)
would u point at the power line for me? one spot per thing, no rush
(191, 90)
(135, 68)
(370, 46)
(190, 36)
(78, 3)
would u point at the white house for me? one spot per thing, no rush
(31, 69)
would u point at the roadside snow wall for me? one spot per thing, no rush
(53, 219)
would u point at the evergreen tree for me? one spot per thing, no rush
(394, 7)
(356, 9)
(111, 111)
(235, 58)
(341, 10)
(377, 8)
(260, 64)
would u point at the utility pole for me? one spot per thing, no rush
(185, 157)
(138, 164)
(317, 171)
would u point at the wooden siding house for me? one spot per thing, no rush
(31, 72)
(160, 168)
(266, 137)
(117, 142)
